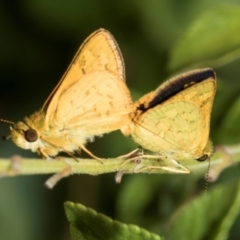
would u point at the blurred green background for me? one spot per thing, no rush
(158, 39)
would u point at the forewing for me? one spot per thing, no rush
(98, 52)
(92, 94)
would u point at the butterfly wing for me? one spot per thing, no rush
(92, 94)
(176, 117)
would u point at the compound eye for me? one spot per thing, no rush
(202, 158)
(31, 135)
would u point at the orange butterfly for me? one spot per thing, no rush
(173, 121)
(91, 99)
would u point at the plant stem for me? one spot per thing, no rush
(223, 157)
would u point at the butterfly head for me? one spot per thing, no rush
(206, 153)
(23, 135)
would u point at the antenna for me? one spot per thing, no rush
(6, 121)
(207, 176)
(9, 122)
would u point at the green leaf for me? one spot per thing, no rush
(209, 216)
(212, 39)
(88, 224)
(229, 133)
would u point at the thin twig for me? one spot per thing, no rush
(18, 166)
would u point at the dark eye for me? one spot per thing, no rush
(202, 158)
(31, 135)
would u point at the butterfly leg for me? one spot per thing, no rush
(119, 174)
(100, 160)
(132, 156)
(154, 169)
(161, 164)
(47, 153)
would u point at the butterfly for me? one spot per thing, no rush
(173, 122)
(91, 99)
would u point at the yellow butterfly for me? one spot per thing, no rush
(91, 99)
(174, 120)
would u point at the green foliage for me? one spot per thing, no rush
(197, 219)
(209, 216)
(87, 224)
(211, 39)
